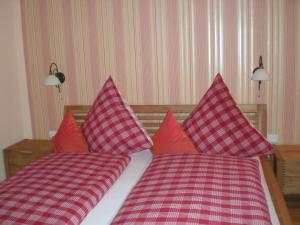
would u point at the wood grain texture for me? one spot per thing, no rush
(276, 194)
(288, 168)
(152, 115)
(24, 152)
(293, 203)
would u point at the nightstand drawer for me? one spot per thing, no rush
(291, 185)
(13, 169)
(292, 168)
(23, 157)
(289, 176)
(288, 168)
(23, 153)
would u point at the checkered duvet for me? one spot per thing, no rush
(197, 189)
(59, 188)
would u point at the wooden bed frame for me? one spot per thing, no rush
(152, 115)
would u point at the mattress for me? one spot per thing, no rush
(197, 189)
(108, 207)
(59, 188)
(110, 204)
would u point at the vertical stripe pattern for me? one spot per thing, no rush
(163, 52)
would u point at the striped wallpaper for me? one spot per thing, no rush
(163, 51)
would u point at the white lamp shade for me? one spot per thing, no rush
(52, 80)
(259, 74)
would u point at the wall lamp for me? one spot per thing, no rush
(259, 74)
(54, 78)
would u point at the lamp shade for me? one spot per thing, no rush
(259, 74)
(52, 80)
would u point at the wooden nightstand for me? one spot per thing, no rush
(288, 168)
(24, 152)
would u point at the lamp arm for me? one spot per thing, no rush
(261, 66)
(255, 69)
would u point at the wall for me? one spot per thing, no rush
(15, 123)
(164, 51)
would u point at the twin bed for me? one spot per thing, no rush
(182, 189)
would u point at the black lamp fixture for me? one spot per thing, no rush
(259, 74)
(55, 78)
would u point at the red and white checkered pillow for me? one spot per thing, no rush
(217, 126)
(111, 125)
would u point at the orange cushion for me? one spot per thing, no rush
(171, 139)
(69, 138)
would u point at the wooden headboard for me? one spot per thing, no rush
(152, 115)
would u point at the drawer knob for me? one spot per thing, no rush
(26, 151)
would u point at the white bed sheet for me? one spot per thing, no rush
(108, 207)
(104, 212)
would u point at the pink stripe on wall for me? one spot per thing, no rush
(146, 51)
(43, 14)
(173, 59)
(260, 42)
(94, 51)
(119, 46)
(260, 28)
(27, 65)
(230, 40)
(210, 34)
(289, 69)
(69, 51)
(201, 48)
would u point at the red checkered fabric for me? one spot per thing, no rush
(197, 189)
(217, 126)
(59, 188)
(111, 126)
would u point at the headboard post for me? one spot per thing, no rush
(262, 118)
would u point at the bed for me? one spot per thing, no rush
(152, 115)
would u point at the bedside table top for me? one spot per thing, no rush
(288, 152)
(31, 143)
